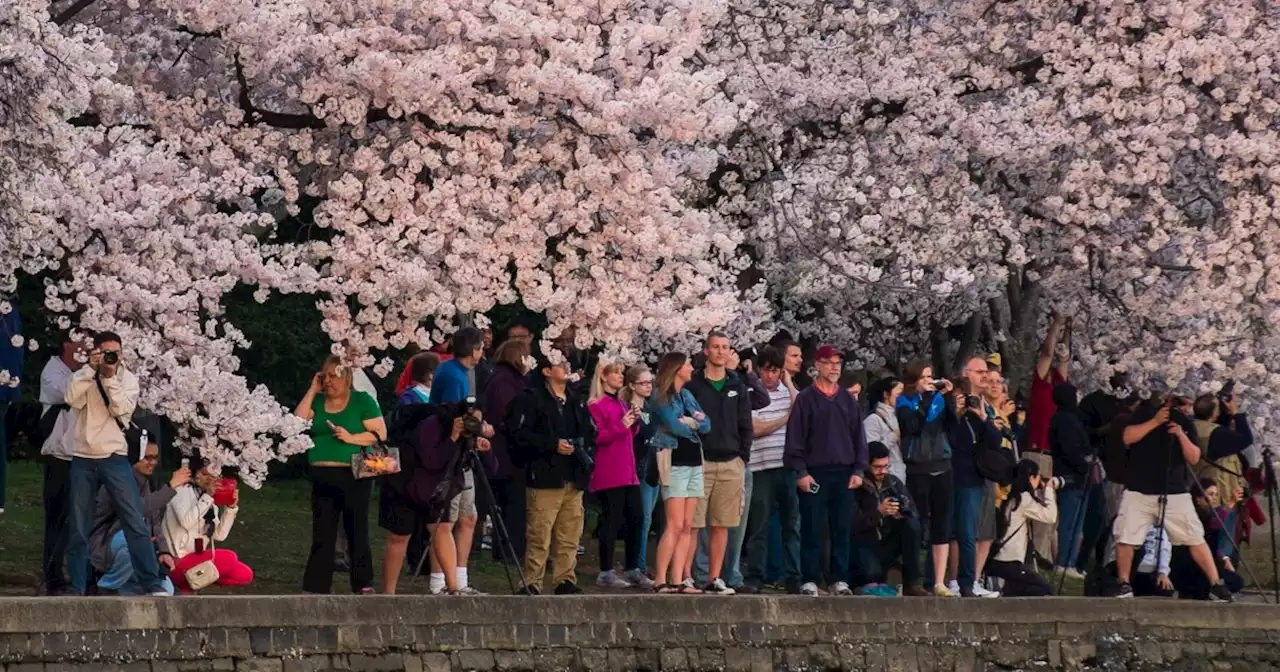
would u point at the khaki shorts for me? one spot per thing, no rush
(723, 485)
(1139, 512)
(463, 505)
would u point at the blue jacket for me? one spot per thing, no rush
(667, 419)
(921, 419)
(450, 384)
(11, 358)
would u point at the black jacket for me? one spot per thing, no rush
(535, 423)
(730, 413)
(867, 523)
(1068, 439)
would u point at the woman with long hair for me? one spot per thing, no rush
(882, 422)
(921, 410)
(1029, 500)
(637, 392)
(614, 481)
(343, 420)
(680, 422)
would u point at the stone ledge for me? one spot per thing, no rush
(944, 617)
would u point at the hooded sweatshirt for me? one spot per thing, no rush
(1068, 438)
(97, 434)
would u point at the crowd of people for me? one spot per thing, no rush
(770, 477)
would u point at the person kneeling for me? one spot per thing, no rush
(432, 492)
(1029, 501)
(193, 523)
(107, 541)
(886, 528)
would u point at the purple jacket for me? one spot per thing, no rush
(438, 458)
(505, 384)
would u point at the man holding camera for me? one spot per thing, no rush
(552, 432)
(886, 527)
(106, 394)
(1223, 433)
(1160, 451)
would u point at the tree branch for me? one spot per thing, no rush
(61, 18)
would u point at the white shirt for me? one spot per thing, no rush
(184, 521)
(53, 390)
(882, 426)
(1015, 542)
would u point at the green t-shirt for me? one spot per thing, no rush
(327, 447)
(718, 384)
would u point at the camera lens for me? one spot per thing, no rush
(110, 357)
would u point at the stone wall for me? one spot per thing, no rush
(425, 634)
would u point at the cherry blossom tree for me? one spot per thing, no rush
(405, 161)
(913, 165)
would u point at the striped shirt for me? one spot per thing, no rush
(766, 451)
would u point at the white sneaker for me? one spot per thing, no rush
(840, 588)
(980, 591)
(469, 591)
(1073, 573)
(809, 589)
(717, 587)
(638, 578)
(953, 586)
(611, 579)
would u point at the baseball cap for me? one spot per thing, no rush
(828, 352)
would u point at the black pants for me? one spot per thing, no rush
(871, 558)
(336, 496)
(619, 506)
(508, 493)
(57, 477)
(1019, 580)
(1189, 580)
(934, 496)
(773, 491)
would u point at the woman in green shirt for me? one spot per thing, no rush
(343, 420)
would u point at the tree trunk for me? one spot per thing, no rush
(1020, 347)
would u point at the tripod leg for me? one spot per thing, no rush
(503, 539)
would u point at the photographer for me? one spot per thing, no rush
(886, 527)
(1030, 500)
(552, 432)
(921, 411)
(970, 431)
(1159, 454)
(433, 492)
(105, 393)
(1223, 433)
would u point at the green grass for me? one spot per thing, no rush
(272, 534)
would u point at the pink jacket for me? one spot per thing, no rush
(615, 459)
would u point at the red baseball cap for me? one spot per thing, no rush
(828, 352)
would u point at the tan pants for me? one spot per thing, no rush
(1043, 535)
(555, 521)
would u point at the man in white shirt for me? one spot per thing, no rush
(56, 419)
(106, 395)
(774, 485)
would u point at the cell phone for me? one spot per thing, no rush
(813, 488)
(185, 462)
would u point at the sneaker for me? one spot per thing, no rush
(752, 588)
(1124, 590)
(840, 588)
(791, 587)
(568, 588)
(611, 579)
(953, 586)
(529, 590)
(914, 590)
(717, 587)
(882, 590)
(468, 591)
(1073, 573)
(980, 591)
(639, 579)
(1219, 592)
(940, 590)
(582, 550)
(165, 593)
(367, 590)
(809, 588)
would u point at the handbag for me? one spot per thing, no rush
(376, 460)
(204, 574)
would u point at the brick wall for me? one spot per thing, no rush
(424, 634)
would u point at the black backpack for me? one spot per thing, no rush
(995, 464)
(403, 422)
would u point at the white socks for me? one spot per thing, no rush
(436, 584)
(462, 577)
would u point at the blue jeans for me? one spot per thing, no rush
(773, 496)
(1095, 531)
(732, 571)
(648, 500)
(831, 508)
(120, 577)
(968, 508)
(1071, 515)
(116, 476)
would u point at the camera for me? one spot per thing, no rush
(1224, 395)
(1057, 482)
(584, 458)
(972, 401)
(110, 357)
(472, 426)
(939, 382)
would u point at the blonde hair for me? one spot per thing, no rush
(604, 368)
(628, 379)
(334, 366)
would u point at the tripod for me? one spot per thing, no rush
(1269, 485)
(483, 489)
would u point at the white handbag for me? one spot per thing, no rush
(204, 574)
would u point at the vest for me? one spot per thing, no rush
(1227, 483)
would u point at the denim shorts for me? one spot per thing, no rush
(685, 482)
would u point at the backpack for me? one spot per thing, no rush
(402, 432)
(995, 464)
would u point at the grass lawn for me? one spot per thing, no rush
(272, 534)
